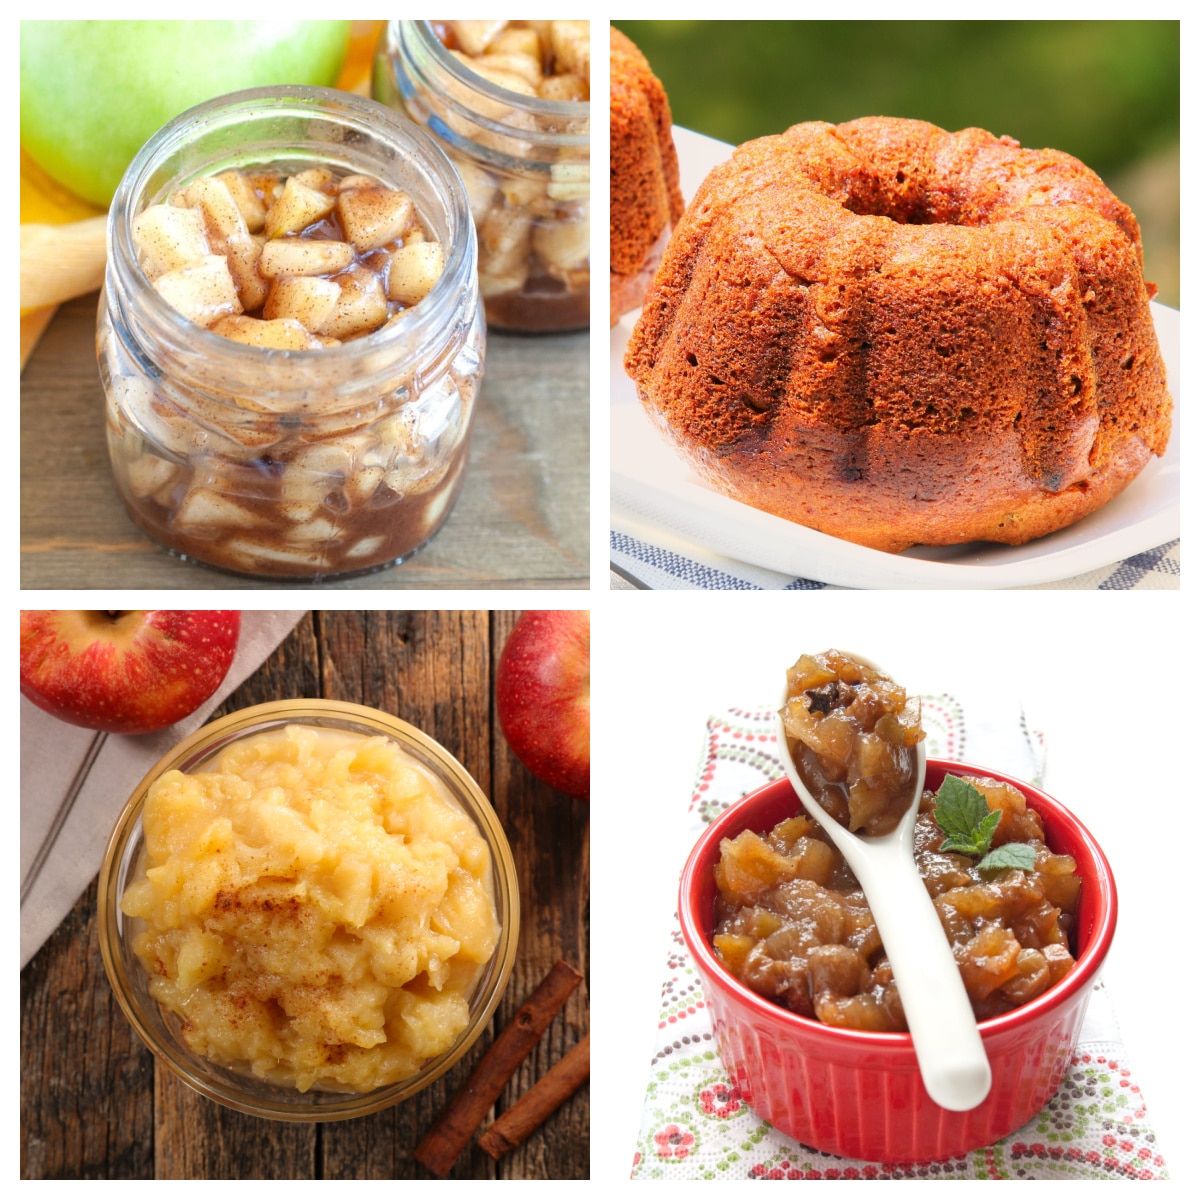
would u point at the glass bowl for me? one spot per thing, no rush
(859, 1094)
(160, 1030)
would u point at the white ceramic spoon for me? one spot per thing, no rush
(950, 1053)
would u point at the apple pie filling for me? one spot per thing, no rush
(524, 164)
(311, 417)
(288, 262)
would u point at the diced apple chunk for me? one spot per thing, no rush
(361, 305)
(203, 509)
(571, 42)
(504, 243)
(243, 254)
(258, 555)
(267, 183)
(296, 209)
(502, 78)
(222, 217)
(517, 41)
(570, 88)
(365, 547)
(168, 238)
(523, 192)
(201, 292)
(328, 462)
(217, 249)
(474, 36)
(523, 66)
(284, 334)
(563, 245)
(317, 178)
(414, 270)
(481, 187)
(374, 216)
(356, 181)
(569, 181)
(363, 484)
(250, 205)
(304, 298)
(148, 473)
(316, 530)
(304, 256)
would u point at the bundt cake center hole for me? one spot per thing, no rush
(904, 210)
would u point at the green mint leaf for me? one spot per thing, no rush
(1012, 854)
(969, 826)
(964, 817)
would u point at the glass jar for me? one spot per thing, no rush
(124, 861)
(305, 464)
(525, 165)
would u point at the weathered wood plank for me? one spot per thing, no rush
(86, 1078)
(521, 521)
(549, 835)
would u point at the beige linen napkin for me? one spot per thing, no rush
(74, 783)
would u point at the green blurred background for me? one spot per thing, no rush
(1104, 91)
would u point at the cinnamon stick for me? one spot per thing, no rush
(442, 1145)
(546, 1096)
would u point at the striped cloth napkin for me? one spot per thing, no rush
(74, 783)
(695, 1122)
(637, 563)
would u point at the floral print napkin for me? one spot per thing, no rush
(695, 1124)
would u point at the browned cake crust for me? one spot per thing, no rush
(644, 190)
(899, 335)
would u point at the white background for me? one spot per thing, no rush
(1103, 676)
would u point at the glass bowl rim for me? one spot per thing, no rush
(223, 732)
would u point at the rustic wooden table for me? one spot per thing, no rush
(96, 1104)
(520, 522)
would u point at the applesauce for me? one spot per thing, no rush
(317, 909)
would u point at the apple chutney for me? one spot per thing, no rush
(792, 922)
(315, 909)
(851, 731)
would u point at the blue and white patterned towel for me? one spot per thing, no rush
(641, 564)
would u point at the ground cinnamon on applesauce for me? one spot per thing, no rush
(317, 909)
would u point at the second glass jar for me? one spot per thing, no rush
(524, 162)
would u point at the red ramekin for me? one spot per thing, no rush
(858, 1094)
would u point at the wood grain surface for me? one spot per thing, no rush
(95, 1104)
(520, 522)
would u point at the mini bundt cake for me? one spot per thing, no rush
(899, 335)
(644, 190)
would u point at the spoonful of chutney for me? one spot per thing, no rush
(854, 753)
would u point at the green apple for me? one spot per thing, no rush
(92, 92)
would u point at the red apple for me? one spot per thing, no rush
(544, 697)
(125, 672)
